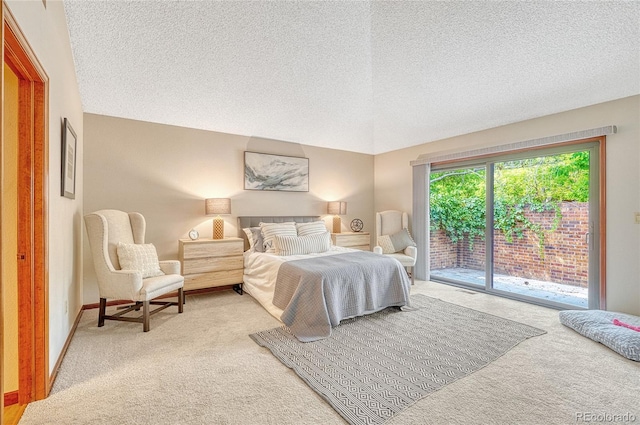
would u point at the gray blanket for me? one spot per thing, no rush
(317, 293)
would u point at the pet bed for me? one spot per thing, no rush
(599, 326)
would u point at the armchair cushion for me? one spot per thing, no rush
(159, 285)
(141, 257)
(397, 242)
(405, 260)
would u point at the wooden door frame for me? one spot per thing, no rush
(33, 176)
(1, 190)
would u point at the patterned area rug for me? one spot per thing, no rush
(373, 367)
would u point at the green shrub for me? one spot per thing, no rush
(457, 198)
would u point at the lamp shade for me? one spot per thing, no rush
(336, 208)
(215, 206)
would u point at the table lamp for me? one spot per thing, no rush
(217, 206)
(336, 208)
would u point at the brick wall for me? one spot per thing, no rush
(564, 258)
(444, 254)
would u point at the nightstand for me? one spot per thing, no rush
(207, 263)
(355, 240)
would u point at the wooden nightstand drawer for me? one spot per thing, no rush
(361, 247)
(360, 240)
(207, 263)
(203, 265)
(212, 279)
(205, 248)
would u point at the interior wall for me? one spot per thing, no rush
(45, 28)
(393, 181)
(9, 230)
(166, 173)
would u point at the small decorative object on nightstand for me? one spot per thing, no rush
(193, 234)
(356, 225)
(207, 263)
(355, 240)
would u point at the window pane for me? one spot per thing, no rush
(541, 221)
(457, 219)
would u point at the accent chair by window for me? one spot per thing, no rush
(393, 239)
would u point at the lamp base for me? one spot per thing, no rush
(218, 228)
(336, 224)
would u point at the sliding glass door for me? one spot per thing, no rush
(522, 225)
(541, 227)
(458, 206)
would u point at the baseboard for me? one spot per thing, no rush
(56, 368)
(11, 398)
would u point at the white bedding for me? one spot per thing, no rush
(261, 271)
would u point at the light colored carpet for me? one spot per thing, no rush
(201, 367)
(375, 366)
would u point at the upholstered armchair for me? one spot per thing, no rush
(393, 239)
(127, 269)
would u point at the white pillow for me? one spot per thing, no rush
(141, 257)
(296, 245)
(312, 228)
(270, 230)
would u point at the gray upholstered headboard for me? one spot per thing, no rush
(254, 221)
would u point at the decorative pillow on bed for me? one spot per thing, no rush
(397, 242)
(254, 235)
(141, 257)
(312, 228)
(296, 245)
(270, 230)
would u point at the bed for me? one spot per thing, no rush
(312, 292)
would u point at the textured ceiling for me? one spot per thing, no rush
(364, 76)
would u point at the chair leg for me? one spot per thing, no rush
(102, 312)
(180, 300)
(145, 316)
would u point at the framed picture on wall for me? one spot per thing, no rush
(68, 162)
(275, 172)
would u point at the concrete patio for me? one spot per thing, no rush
(550, 291)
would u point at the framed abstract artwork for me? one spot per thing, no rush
(275, 172)
(68, 163)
